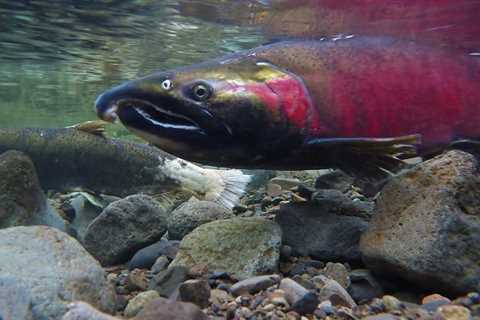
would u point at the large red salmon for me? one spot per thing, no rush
(351, 103)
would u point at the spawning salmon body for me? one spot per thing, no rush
(306, 104)
(381, 88)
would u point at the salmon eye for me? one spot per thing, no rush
(201, 92)
(167, 84)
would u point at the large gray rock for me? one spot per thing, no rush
(312, 229)
(427, 225)
(15, 300)
(54, 269)
(124, 227)
(242, 246)
(22, 201)
(192, 214)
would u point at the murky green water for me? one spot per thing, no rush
(56, 56)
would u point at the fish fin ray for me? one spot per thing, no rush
(96, 127)
(369, 158)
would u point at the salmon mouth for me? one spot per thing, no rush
(157, 116)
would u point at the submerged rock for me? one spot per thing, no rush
(426, 228)
(146, 257)
(172, 310)
(124, 227)
(196, 292)
(312, 230)
(137, 303)
(15, 300)
(22, 201)
(192, 214)
(54, 269)
(167, 281)
(254, 285)
(242, 246)
(83, 311)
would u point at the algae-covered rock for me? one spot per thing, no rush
(192, 214)
(124, 227)
(426, 228)
(54, 269)
(242, 246)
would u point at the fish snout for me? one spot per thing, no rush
(106, 107)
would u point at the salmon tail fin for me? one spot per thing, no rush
(224, 187)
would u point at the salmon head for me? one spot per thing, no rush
(236, 111)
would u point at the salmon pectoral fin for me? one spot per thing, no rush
(370, 159)
(96, 127)
(470, 146)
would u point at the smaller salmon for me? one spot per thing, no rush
(67, 158)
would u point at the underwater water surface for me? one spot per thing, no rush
(57, 56)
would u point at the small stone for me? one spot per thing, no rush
(138, 302)
(277, 297)
(195, 291)
(334, 179)
(432, 302)
(146, 257)
(334, 292)
(219, 275)
(286, 183)
(326, 307)
(172, 310)
(167, 281)
(274, 190)
(364, 287)
(243, 313)
(160, 264)
(307, 304)
(193, 213)
(434, 298)
(391, 303)
(254, 285)
(337, 272)
(136, 280)
(320, 281)
(304, 282)
(292, 315)
(453, 312)
(381, 316)
(83, 311)
(220, 297)
(269, 307)
(301, 300)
